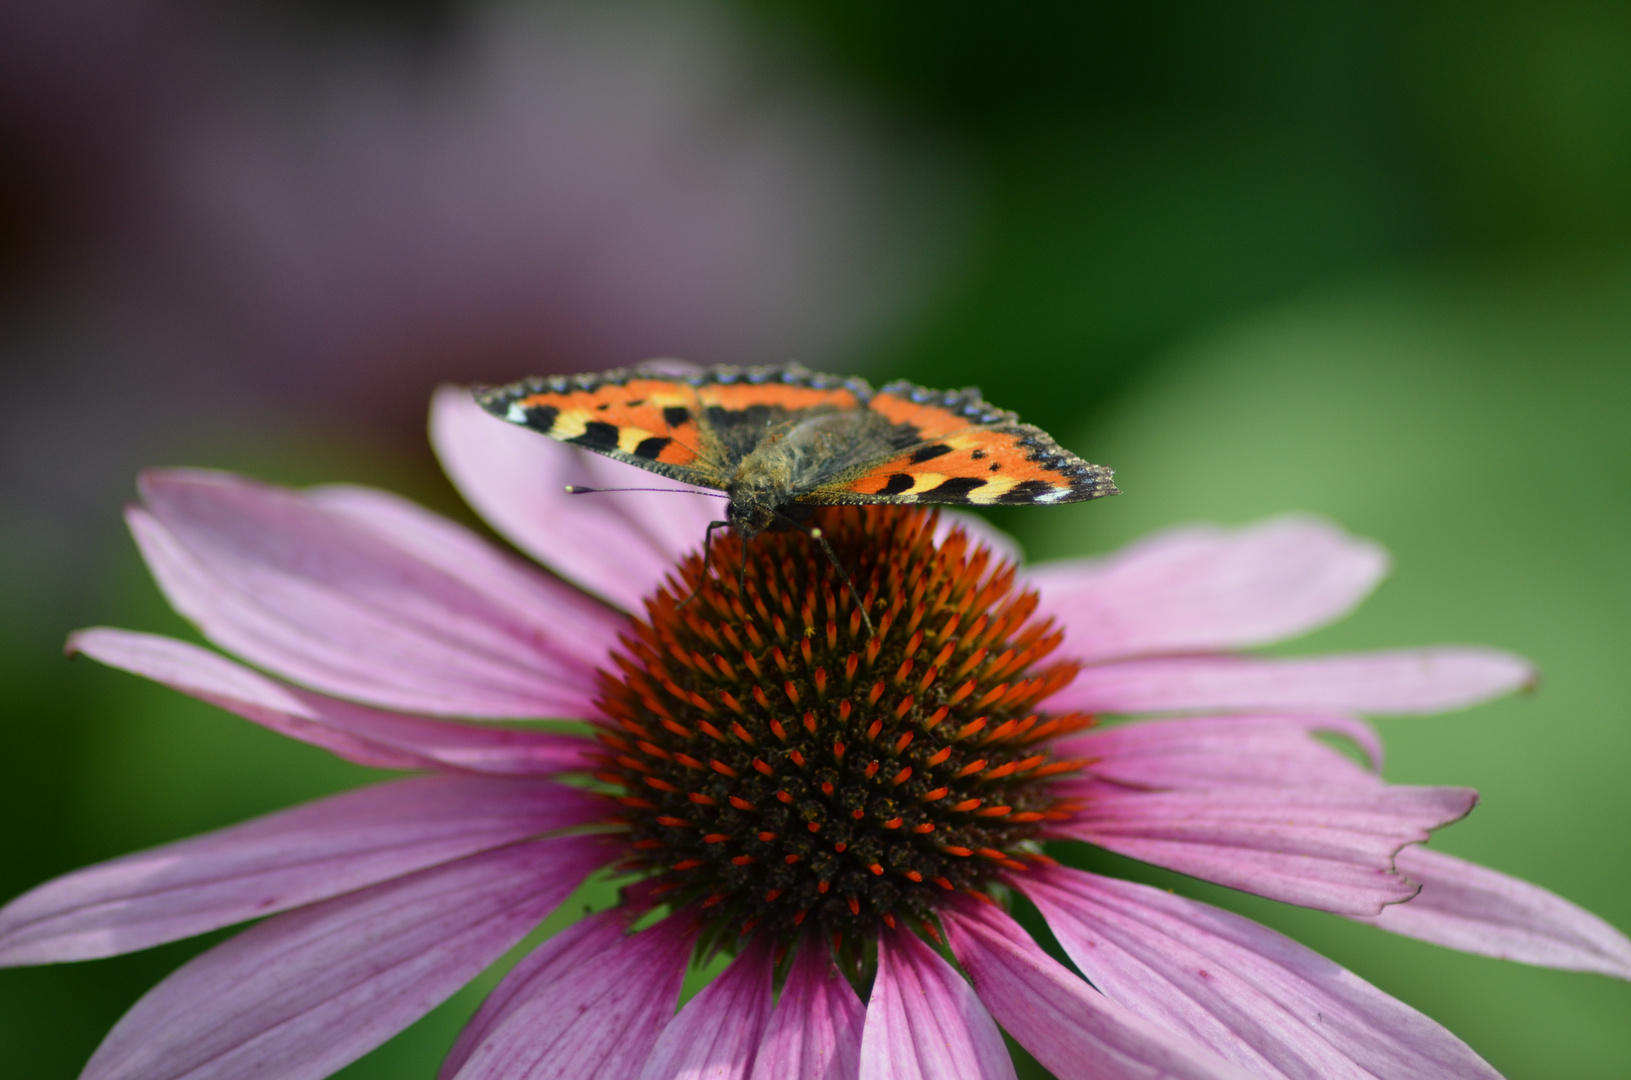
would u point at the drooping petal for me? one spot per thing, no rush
(357, 733)
(211, 677)
(1207, 589)
(815, 1032)
(1072, 1029)
(1214, 751)
(588, 1004)
(1327, 848)
(303, 993)
(449, 545)
(1478, 910)
(1249, 994)
(924, 1021)
(616, 545)
(371, 612)
(277, 862)
(716, 1036)
(1415, 681)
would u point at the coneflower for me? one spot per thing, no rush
(843, 812)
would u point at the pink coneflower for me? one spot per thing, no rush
(843, 814)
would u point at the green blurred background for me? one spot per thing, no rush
(1367, 260)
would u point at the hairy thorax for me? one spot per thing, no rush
(785, 460)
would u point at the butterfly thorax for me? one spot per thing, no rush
(790, 457)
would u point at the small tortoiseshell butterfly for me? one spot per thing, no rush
(781, 441)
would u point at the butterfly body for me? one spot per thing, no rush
(782, 441)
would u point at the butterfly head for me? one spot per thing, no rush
(762, 504)
(750, 515)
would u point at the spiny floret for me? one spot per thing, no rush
(779, 763)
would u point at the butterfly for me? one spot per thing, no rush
(781, 441)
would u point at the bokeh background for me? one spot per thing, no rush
(1371, 260)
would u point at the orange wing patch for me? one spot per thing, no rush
(647, 419)
(737, 397)
(931, 419)
(1013, 465)
(933, 414)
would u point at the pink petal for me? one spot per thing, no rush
(1415, 681)
(311, 593)
(924, 1022)
(1250, 995)
(577, 949)
(302, 994)
(588, 1004)
(280, 861)
(1469, 907)
(1207, 589)
(454, 548)
(1072, 1029)
(1324, 848)
(716, 1035)
(1216, 751)
(357, 733)
(815, 1032)
(616, 545)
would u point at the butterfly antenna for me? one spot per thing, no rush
(820, 537)
(579, 489)
(707, 549)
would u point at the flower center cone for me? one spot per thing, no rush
(779, 762)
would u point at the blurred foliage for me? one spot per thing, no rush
(1371, 260)
(1151, 168)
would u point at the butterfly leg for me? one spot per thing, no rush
(707, 549)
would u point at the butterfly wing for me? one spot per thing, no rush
(695, 427)
(743, 410)
(642, 418)
(952, 448)
(903, 444)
